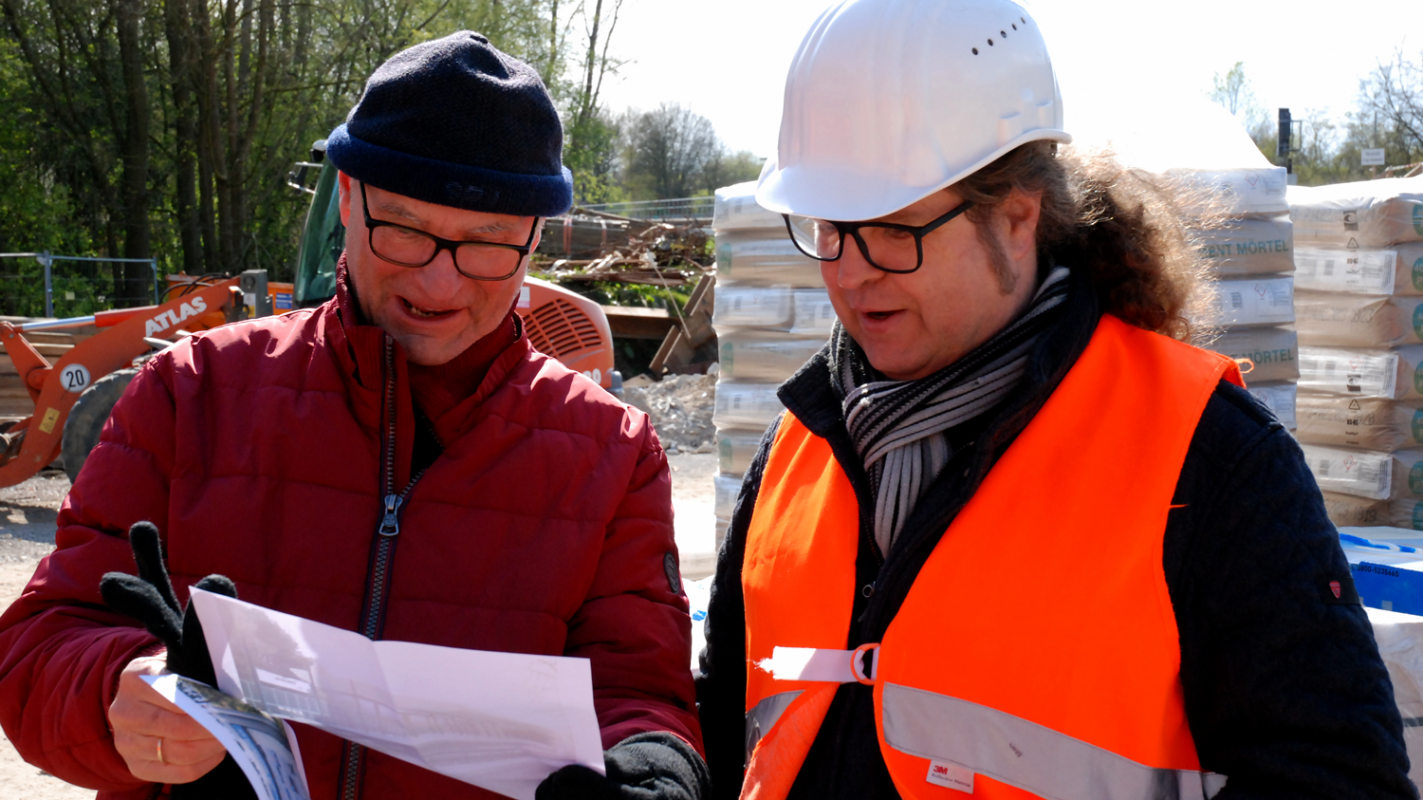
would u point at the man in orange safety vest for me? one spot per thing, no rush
(1012, 536)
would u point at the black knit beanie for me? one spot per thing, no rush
(458, 123)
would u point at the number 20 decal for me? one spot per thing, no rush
(74, 378)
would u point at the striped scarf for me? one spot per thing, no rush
(898, 427)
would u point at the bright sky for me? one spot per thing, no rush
(727, 59)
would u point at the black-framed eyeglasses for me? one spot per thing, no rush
(478, 260)
(887, 246)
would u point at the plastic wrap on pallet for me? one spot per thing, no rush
(1236, 192)
(1349, 510)
(736, 448)
(1407, 474)
(764, 258)
(1279, 398)
(1273, 351)
(757, 355)
(1368, 423)
(727, 487)
(1397, 270)
(1248, 246)
(1387, 374)
(736, 209)
(770, 307)
(1256, 302)
(1329, 319)
(814, 314)
(1405, 513)
(751, 406)
(1368, 214)
(1362, 473)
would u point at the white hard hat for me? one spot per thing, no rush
(889, 101)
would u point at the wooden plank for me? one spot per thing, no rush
(631, 322)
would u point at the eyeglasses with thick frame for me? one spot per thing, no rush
(810, 238)
(477, 253)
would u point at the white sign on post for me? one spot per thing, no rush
(1371, 157)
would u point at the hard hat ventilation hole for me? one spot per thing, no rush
(1023, 20)
(1015, 27)
(975, 51)
(1004, 34)
(990, 42)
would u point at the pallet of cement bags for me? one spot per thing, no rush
(760, 355)
(769, 307)
(1247, 246)
(1349, 510)
(1279, 398)
(1393, 271)
(1256, 302)
(763, 258)
(1367, 423)
(1274, 352)
(1361, 473)
(746, 405)
(1367, 473)
(1390, 374)
(1331, 319)
(736, 448)
(736, 209)
(1362, 214)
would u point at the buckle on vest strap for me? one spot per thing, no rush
(822, 666)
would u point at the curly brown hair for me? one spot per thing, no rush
(1127, 228)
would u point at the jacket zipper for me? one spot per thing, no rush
(377, 581)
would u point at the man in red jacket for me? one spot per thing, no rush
(398, 461)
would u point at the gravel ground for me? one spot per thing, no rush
(27, 519)
(27, 514)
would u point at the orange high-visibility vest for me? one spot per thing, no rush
(1036, 654)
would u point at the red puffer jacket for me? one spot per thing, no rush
(257, 449)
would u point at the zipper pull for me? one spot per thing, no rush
(390, 524)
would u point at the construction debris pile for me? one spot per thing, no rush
(681, 409)
(1359, 264)
(624, 250)
(772, 313)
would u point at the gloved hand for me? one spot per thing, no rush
(149, 598)
(648, 766)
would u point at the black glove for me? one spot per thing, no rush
(148, 597)
(648, 766)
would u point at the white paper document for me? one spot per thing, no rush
(500, 721)
(263, 747)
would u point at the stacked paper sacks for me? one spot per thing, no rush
(771, 314)
(1218, 177)
(1359, 309)
(1250, 257)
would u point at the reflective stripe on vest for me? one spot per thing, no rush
(1037, 759)
(763, 716)
(1044, 601)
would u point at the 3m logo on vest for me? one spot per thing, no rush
(952, 776)
(171, 319)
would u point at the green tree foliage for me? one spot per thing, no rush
(672, 152)
(165, 128)
(1322, 150)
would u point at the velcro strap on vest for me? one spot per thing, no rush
(822, 666)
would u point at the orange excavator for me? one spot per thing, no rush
(95, 371)
(74, 395)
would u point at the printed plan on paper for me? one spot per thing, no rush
(500, 721)
(263, 747)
